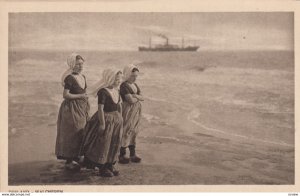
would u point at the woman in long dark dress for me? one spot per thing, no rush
(73, 113)
(104, 131)
(131, 112)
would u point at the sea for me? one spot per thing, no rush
(242, 95)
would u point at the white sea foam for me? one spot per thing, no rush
(150, 117)
(35, 62)
(193, 117)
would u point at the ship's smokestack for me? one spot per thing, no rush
(162, 35)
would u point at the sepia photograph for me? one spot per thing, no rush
(113, 98)
(151, 98)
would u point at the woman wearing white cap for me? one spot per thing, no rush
(73, 113)
(103, 132)
(131, 112)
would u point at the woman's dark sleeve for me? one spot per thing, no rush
(102, 96)
(138, 89)
(68, 82)
(84, 81)
(124, 90)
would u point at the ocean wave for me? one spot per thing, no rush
(263, 107)
(153, 119)
(149, 64)
(150, 117)
(168, 101)
(35, 102)
(156, 99)
(170, 138)
(194, 115)
(36, 62)
(201, 68)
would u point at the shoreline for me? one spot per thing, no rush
(180, 159)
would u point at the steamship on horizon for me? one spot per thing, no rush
(168, 47)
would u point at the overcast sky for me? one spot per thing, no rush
(127, 31)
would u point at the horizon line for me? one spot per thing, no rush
(129, 50)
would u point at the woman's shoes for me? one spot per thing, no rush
(105, 172)
(135, 159)
(87, 164)
(72, 166)
(123, 160)
(113, 170)
(108, 170)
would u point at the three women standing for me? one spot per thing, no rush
(103, 138)
(73, 113)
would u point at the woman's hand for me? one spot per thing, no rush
(129, 98)
(68, 95)
(139, 97)
(84, 95)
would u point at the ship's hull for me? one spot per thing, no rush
(186, 49)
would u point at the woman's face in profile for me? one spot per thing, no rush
(118, 80)
(133, 76)
(78, 66)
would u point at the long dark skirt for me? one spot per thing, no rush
(102, 147)
(131, 117)
(72, 118)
